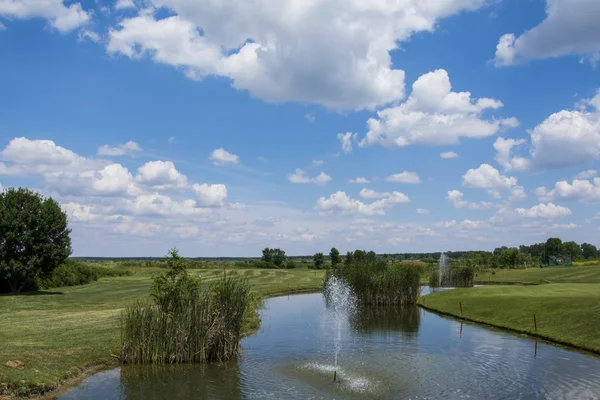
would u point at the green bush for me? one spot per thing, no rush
(462, 276)
(434, 277)
(73, 273)
(264, 264)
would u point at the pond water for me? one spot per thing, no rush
(409, 354)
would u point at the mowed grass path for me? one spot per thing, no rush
(567, 313)
(57, 335)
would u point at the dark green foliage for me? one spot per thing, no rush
(186, 324)
(319, 260)
(349, 259)
(335, 257)
(264, 264)
(34, 238)
(589, 251)
(434, 277)
(275, 256)
(74, 273)
(377, 282)
(554, 247)
(572, 249)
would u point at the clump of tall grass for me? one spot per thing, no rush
(185, 324)
(434, 277)
(462, 276)
(378, 282)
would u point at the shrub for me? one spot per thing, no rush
(462, 276)
(434, 277)
(73, 273)
(264, 264)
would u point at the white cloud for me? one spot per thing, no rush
(590, 173)
(340, 202)
(579, 189)
(334, 53)
(564, 226)
(128, 148)
(61, 16)
(423, 211)
(79, 212)
(346, 140)
(221, 157)
(171, 139)
(300, 177)
(448, 155)
(549, 210)
(517, 193)
(456, 198)
(113, 179)
(372, 194)
(1, 188)
(360, 180)
(564, 139)
(85, 35)
(122, 4)
(2, 27)
(404, 177)
(468, 225)
(570, 28)
(211, 195)
(161, 175)
(487, 177)
(310, 117)
(317, 163)
(434, 115)
(504, 157)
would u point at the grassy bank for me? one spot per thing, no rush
(585, 274)
(59, 332)
(567, 313)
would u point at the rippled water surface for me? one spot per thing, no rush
(411, 354)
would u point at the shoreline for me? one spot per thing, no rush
(513, 330)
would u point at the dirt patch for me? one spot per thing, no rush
(15, 364)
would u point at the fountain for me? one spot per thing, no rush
(444, 271)
(340, 299)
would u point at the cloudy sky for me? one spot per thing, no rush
(226, 126)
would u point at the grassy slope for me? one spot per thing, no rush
(56, 335)
(567, 310)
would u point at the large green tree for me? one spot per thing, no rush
(335, 257)
(589, 250)
(554, 247)
(319, 260)
(34, 237)
(573, 249)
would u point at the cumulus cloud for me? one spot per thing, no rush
(422, 211)
(346, 140)
(300, 177)
(63, 17)
(404, 177)
(434, 115)
(487, 177)
(372, 194)
(122, 4)
(578, 189)
(221, 157)
(564, 139)
(570, 28)
(161, 175)
(456, 198)
(334, 53)
(448, 155)
(340, 202)
(549, 210)
(211, 195)
(360, 180)
(128, 148)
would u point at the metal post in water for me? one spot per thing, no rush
(460, 303)
(334, 376)
(535, 351)
(461, 324)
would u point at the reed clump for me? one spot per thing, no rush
(185, 323)
(379, 282)
(434, 277)
(462, 276)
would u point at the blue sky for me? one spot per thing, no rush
(223, 130)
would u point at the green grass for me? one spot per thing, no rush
(567, 313)
(586, 274)
(57, 335)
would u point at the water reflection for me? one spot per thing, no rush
(385, 354)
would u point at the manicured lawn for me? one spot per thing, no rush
(565, 312)
(588, 274)
(56, 335)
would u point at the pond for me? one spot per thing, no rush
(409, 354)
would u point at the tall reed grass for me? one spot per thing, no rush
(462, 276)
(186, 324)
(377, 282)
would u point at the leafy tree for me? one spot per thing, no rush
(554, 247)
(573, 249)
(349, 259)
(267, 255)
(174, 287)
(34, 238)
(319, 260)
(360, 255)
(499, 250)
(589, 251)
(335, 257)
(279, 257)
